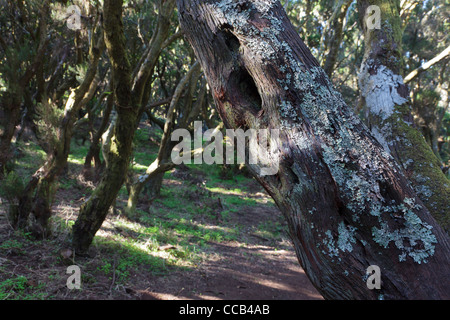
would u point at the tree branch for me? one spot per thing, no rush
(424, 67)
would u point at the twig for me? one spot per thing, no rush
(113, 277)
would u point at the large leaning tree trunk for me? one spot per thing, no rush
(388, 109)
(347, 203)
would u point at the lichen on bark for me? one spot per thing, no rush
(336, 181)
(388, 110)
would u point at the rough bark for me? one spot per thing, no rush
(346, 201)
(388, 110)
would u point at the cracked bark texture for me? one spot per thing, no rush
(346, 201)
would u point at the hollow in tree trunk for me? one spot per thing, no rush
(347, 203)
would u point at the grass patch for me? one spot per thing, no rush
(21, 288)
(176, 231)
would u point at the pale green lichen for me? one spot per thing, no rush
(343, 242)
(346, 237)
(331, 244)
(415, 240)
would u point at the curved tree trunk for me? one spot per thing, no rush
(153, 177)
(388, 110)
(39, 191)
(94, 149)
(94, 211)
(131, 95)
(347, 203)
(335, 26)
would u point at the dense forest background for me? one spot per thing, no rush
(59, 120)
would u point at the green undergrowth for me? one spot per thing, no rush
(199, 206)
(21, 288)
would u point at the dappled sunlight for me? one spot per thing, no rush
(244, 196)
(135, 237)
(182, 232)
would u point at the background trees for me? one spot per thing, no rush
(129, 65)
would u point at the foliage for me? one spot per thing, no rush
(188, 212)
(48, 118)
(19, 289)
(12, 187)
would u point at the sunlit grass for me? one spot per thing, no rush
(31, 158)
(175, 230)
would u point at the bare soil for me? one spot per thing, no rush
(251, 271)
(252, 268)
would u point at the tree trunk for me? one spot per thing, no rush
(94, 149)
(131, 93)
(441, 56)
(347, 203)
(153, 177)
(94, 211)
(38, 194)
(334, 26)
(388, 110)
(10, 119)
(11, 101)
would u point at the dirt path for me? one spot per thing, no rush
(275, 275)
(253, 267)
(253, 271)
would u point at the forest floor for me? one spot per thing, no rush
(206, 237)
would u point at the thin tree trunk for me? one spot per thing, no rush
(131, 92)
(427, 65)
(11, 118)
(11, 101)
(38, 193)
(94, 149)
(94, 211)
(388, 111)
(346, 201)
(154, 175)
(335, 26)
